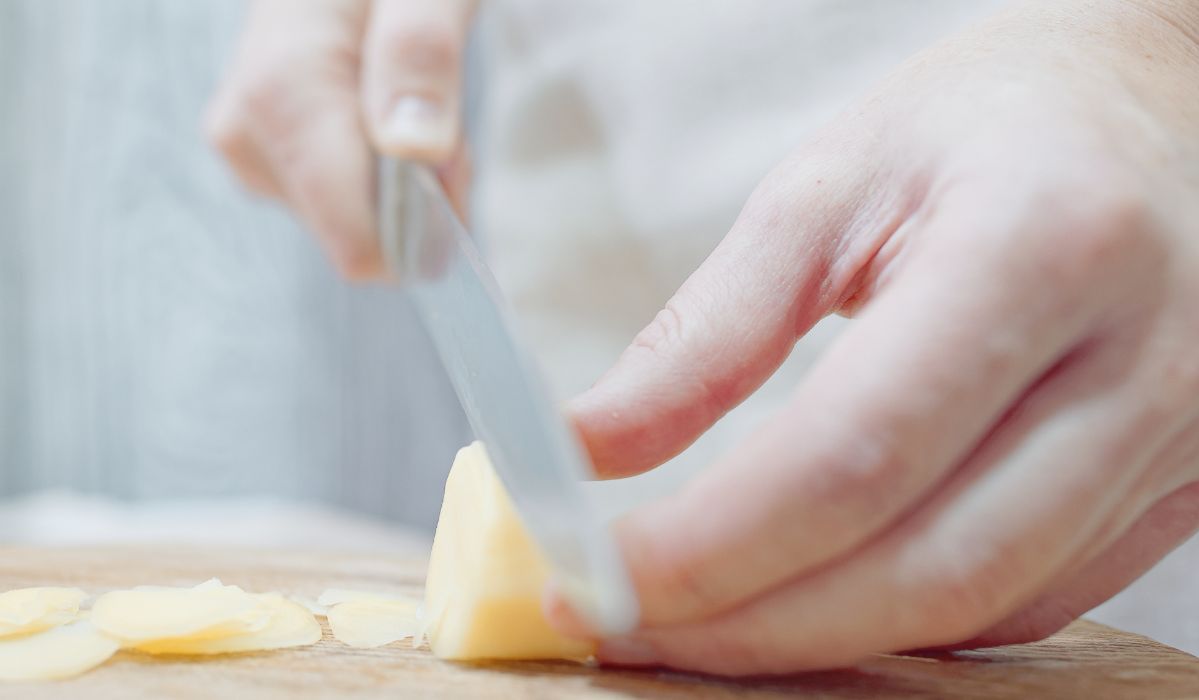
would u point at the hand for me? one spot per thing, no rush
(1008, 434)
(314, 84)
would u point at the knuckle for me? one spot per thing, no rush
(230, 120)
(668, 334)
(229, 135)
(263, 96)
(665, 330)
(266, 95)
(271, 96)
(866, 469)
(1096, 233)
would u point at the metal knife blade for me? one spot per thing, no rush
(536, 455)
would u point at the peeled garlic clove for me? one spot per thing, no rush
(486, 574)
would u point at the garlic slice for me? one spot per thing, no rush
(289, 625)
(373, 622)
(208, 611)
(26, 610)
(59, 652)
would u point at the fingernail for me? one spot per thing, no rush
(418, 126)
(627, 651)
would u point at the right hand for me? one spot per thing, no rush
(314, 85)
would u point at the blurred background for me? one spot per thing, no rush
(179, 363)
(163, 335)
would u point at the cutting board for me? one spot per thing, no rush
(1086, 661)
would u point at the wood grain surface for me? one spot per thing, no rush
(1087, 661)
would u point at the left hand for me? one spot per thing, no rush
(1008, 434)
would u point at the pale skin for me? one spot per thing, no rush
(1007, 435)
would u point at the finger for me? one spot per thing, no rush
(412, 76)
(985, 545)
(900, 399)
(326, 167)
(1132, 540)
(287, 117)
(734, 320)
(1118, 560)
(1171, 522)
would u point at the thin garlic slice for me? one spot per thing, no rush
(289, 625)
(373, 622)
(26, 610)
(208, 611)
(59, 652)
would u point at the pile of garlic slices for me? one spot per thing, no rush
(46, 634)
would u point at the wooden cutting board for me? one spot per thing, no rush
(1087, 661)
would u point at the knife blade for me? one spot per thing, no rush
(429, 252)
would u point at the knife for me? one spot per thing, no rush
(427, 250)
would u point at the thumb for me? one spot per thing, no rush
(412, 76)
(732, 323)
